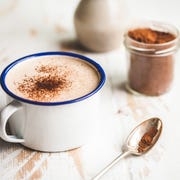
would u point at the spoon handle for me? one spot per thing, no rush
(109, 166)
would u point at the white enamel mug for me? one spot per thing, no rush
(50, 126)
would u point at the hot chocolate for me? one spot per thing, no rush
(52, 78)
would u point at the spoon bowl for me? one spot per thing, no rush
(144, 136)
(141, 139)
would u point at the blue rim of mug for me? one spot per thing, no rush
(60, 53)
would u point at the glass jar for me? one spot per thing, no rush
(151, 66)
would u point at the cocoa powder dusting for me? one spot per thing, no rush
(46, 69)
(46, 85)
(147, 139)
(149, 36)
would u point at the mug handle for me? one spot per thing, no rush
(5, 114)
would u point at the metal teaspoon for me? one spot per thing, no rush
(141, 139)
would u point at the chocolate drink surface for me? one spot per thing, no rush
(151, 66)
(52, 79)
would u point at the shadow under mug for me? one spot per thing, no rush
(51, 126)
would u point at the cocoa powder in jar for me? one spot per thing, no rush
(151, 54)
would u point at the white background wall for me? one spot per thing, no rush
(162, 10)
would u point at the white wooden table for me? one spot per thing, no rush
(28, 27)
